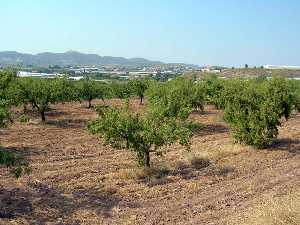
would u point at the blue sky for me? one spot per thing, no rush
(204, 32)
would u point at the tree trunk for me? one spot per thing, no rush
(24, 108)
(43, 116)
(90, 103)
(141, 99)
(33, 106)
(147, 159)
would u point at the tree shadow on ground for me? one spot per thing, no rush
(286, 144)
(3, 132)
(196, 169)
(54, 113)
(34, 113)
(14, 203)
(23, 151)
(203, 112)
(210, 129)
(202, 167)
(67, 123)
(41, 204)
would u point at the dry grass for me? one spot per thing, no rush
(139, 173)
(159, 172)
(283, 210)
(199, 163)
(220, 151)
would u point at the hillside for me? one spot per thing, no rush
(69, 58)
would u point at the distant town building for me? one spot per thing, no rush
(38, 75)
(124, 77)
(76, 78)
(210, 70)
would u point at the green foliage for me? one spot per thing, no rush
(198, 96)
(6, 79)
(121, 90)
(175, 98)
(213, 88)
(16, 163)
(16, 95)
(122, 129)
(297, 99)
(4, 113)
(193, 126)
(11, 160)
(89, 90)
(164, 123)
(40, 92)
(295, 88)
(254, 109)
(65, 90)
(139, 87)
(24, 118)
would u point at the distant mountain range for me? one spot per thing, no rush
(69, 58)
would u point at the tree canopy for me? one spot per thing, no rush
(89, 89)
(41, 92)
(13, 161)
(254, 109)
(139, 87)
(164, 123)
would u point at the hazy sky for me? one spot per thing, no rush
(204, 32)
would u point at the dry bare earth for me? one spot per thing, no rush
(78, 180)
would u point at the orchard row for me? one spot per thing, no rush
(253, 108)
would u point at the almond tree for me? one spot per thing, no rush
(254, 109)
(139, 87)
(121, 90)
(11, 160)
(89, 90)
(175, 98)
(5, 81)
(147, 134)
(213, 88)
(42, 92)
(164, 123)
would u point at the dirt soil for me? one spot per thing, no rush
(77, 180)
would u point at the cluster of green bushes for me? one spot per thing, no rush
(177, 95)
(213, 88)
(253, 107)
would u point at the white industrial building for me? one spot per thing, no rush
(38, 75)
